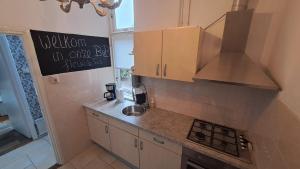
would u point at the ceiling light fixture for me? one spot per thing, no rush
(99, 5)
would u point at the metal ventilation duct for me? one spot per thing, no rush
(239, 5)
(233, 66)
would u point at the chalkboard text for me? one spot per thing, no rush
(61, 53)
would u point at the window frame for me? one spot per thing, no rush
(115, 31)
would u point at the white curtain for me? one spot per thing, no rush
(122, 50)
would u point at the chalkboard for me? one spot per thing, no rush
(61, 53)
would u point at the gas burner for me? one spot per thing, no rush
(200, 136)
(202, 125)
(225, 132)
(219, 137)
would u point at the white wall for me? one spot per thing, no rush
(205, 12)
(65, 98)
(274, 42)
(156, 14)
(284, 63)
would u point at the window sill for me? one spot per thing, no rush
(131, 30)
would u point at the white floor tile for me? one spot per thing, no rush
(105, 156)
(67, 166)
(38, 154)
(12, 157)
(84, 158)
(46, 138)
(18, 163)
(119, 165)
(97, 164)
(95, 157)
(30, 167)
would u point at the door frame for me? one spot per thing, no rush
(18, 89)
(38, 82)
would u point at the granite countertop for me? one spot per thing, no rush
(172, 126)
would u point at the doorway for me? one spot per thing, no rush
(24, 140)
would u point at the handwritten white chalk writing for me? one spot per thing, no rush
(101, 50)
(57, 41)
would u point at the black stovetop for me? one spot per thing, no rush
(218, 137)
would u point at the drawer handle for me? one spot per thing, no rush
(135, 143)
(158, 141)
(106, 129)
(194, 165)
(95, 114)
(141, 145)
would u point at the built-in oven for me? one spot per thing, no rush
(195, 160)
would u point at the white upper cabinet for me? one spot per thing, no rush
(147, 53)
(169, 54)
(180, 53)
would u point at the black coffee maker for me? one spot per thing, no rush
(139, 91)
(111, 92)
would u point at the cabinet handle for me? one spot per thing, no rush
(106, 129)
(135, 143)
(157, 70)
(165, 70)
(95, 114)
(194, 165)
(158, 141)
(141, 145)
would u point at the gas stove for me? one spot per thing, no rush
(223, 139)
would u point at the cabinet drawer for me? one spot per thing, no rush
(124, 126)
(97, 115)
(174, 147)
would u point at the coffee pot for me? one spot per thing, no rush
(111, 92)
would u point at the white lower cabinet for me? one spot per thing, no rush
(99, 132)
(155, 157)
(140, 148)
(125, 145)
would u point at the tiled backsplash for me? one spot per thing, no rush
(233, 106)
(269, 121)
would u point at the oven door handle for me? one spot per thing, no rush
(194, 165)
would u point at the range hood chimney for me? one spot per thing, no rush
(232, 65)
(239, 5)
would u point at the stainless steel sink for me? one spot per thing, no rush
(134, 110)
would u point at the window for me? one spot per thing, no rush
(122, 45)
(123, 17)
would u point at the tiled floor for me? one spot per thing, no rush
(95, 158)
(38, 154)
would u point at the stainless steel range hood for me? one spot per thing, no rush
(232, 65)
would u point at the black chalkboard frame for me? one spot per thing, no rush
(62, 53)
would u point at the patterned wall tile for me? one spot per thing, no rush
(17, 51)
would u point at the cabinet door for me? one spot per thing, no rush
(155, 157)
(125, 145)
(99, 132)
(147, 53)
(180, 53)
